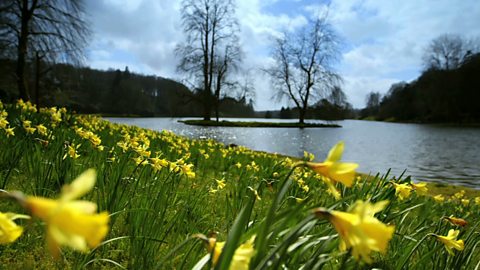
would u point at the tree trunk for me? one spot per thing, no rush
(37, 80)
(301, 116)
(207, 105)
(216, 111)
(22, 52)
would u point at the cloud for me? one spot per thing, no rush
(384, 41)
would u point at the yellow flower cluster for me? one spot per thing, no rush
(4, 124)
(90, 136)
(404, 190)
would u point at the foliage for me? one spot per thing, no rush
(436, 96)
(116, 92)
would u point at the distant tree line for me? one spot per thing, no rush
(448, 90)
(115, 92)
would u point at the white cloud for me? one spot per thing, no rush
(384, 39)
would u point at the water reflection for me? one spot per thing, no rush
(433, 153)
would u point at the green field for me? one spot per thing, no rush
(163, 201)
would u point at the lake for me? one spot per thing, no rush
(432, 153)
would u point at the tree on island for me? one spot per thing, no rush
(211, 50)
(44, 30)
(302, 70)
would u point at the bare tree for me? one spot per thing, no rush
(48, 30)
(372, 100)
(211, 48)
(337, 97)
(246, 86)
(302, 69)
(447, 52)
(224, 65)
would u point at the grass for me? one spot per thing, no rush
(165, 193)
(224, 123)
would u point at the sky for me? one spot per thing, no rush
(382, 41)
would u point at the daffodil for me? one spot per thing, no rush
(9, 230)
(10, 132)
(333, 169)
(439, 198)
(402, 190)
(465, 202)
(3, 122)
(241, 258)
(72, 151)
(420, 188)
(221, 183)
(450, 241)
(359, 230)
(456, 221)
(477, 200)
(71, 222)
(42, 130)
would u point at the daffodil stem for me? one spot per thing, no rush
(400, 266)
(261, 241)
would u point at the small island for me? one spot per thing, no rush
(224, 123)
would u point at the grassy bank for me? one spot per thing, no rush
(224, 123)
(169, 199)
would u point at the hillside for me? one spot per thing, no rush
(112, 92)
(436, 96)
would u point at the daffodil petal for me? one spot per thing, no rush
(335, 154)
(80, 186)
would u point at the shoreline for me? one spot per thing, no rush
(247, 124)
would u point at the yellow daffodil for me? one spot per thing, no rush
(221, 183)
(359, 229)
(3, 122)
(241, 258)
(459, 194)
(450, 241)
(158, 163)
(308, 156)
(27, 125)
(420, 188)
(71, 222)
(332, 190)
(333, 169)
(477, 200)
(402, 190)
(42, 130)
(439, 198)
(9, 132)
(9, 230)
(456, 221)
(186, 169)
(465, 202)
(72, 151)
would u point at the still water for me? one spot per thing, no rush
(433, 153)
